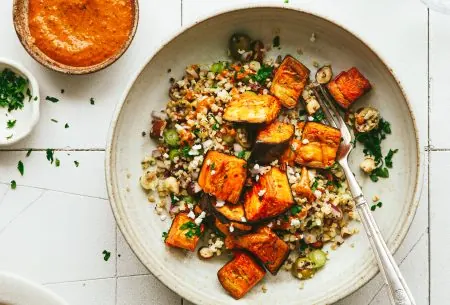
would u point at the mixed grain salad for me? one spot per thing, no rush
(245, 163)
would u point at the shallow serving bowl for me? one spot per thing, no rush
(20, 18)
(352, 264)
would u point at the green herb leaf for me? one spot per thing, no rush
(54, 121)
(213, 166)
(192, 229)
(295, 210)
(373, 207)
(50, 153)
(20, 167)
(76, 163)
(106, 255)
(216, 126)
(10, 124)
(66, 126)
(92, 101)
(185, 151)
(51, 99)
(388, 158)
(264, 73)
(28, 153)
(314, 185)
(319, 116)
(13, 184)
(12, 88)
(165, 235)
(57, 162)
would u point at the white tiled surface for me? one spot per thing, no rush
(55, 225)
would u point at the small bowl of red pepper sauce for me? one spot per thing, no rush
(75, 36)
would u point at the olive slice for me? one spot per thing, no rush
(324, 75)
(366, 119)
(303, 268)
(205, 253)
(239, 44)
(318, 257)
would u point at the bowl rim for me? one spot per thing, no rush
(113, 193)
(25, 39)
(33, 83)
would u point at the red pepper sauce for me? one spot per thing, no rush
(80, 33)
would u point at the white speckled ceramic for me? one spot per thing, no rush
(15, 290)
(206, 42)
(27, 117)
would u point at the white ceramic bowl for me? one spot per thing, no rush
(27, 117)
(348, 267)
(15, 290)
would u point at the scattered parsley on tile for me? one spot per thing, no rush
(20, 167)
(57, 162)
(51, 99)
(13, 184)
(76, 163)
(29, 153)
(66, 126)
(92, 101)
(106, 255)
(50, 153)
(54, 121)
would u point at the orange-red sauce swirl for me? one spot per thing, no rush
(80, 33)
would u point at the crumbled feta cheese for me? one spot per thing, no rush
(305, 141)
(310, 118)
(166, 156)
(213, 172)
(208, 162)
(243, 219)
(256, 166)
(163, 217)
(317, 193)
(295, 222)
(294, 146)
(375, 198)
(191, 215)
(220, 203)
(257, 178)
(197, 147)
(206, 145)
(231, 228)
(261, 193)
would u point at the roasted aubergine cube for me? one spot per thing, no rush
(252, 108)
(183, 233)
(271, 142)
(269, 197)
(288, 156)
(289, 81)
(264, 244)
(223, 176)
(319, 146)
(348, 86)
(240, 274)
(232, 228)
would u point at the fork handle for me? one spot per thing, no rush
(399, 292)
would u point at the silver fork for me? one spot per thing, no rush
(399, 292)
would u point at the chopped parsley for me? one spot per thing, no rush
(10, 124)
(28, 92)
(372, 147)
(276, 42)
(295, 210)
(12, 87)
(192, 229)
(165, 235)
(9, 137)
(51, 99)
(50, 153)
(185, 151)
(213, 166)
(92, 101)
(20, 167)
(28, 153)
(76, 163)
(388, 158)
(13, 184)
(54, 121)
(314, 185)
(66, 126)
(375, 206)
(62, 91)
(106, 255)
(319, 116)
(263, 73)
(216, 126)
(57, 162)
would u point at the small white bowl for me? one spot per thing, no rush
(27, 117)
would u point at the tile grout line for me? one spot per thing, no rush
(56, 191)
(55, 149)
(96, 279)
(429, 155)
